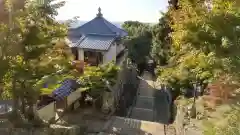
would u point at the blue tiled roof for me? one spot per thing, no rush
(98, 25)
(67, 87)
(95, 42)
(97, 34)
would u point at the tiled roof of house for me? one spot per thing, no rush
(95, 42)
(99, 25)
(97, 34)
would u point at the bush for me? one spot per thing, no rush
(93, 78)
(231, 127)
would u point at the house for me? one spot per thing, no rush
(97, 41)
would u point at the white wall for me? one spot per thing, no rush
(73, 97)
(80, 54)
(47, 112)
(110, 55)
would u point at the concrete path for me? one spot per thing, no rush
(128, 126)
(148, 115)
(144, 108)
(151, 104)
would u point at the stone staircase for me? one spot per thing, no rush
(142, 117)
(142, 114)
(128, 126)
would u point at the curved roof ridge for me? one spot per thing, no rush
(81, 39)
(121, 32)
(107, 24)
(105, 20)
(83, 24)
(99, 25)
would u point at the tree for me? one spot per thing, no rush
(138, 40)
(201, 46)
(34, 32)
(161, 40)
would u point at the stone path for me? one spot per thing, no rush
(144, 108)
(148, 115)
(128, 126)
(151, 103)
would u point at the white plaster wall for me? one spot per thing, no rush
(47, 112)
(80, 54)
(110, 55)
(119, 48)
(73, 97)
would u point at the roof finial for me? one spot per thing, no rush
(99, 12)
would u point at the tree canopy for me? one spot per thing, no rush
(161, 41)
(32, 46)
(201, 48)
(204, 46)
(138, 41)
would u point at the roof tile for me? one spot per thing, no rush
(95, 42)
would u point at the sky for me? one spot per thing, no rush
(114, 10)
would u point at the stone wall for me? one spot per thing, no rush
(184, 124)
(52, 130)
(179, 120)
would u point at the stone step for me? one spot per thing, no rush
(145, 102)
(128, 126)
(142, 114)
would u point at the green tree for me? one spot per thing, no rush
(161, 40)
(200, 45)
(34, 32)
(138, 41)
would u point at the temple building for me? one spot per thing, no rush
(97, 41)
